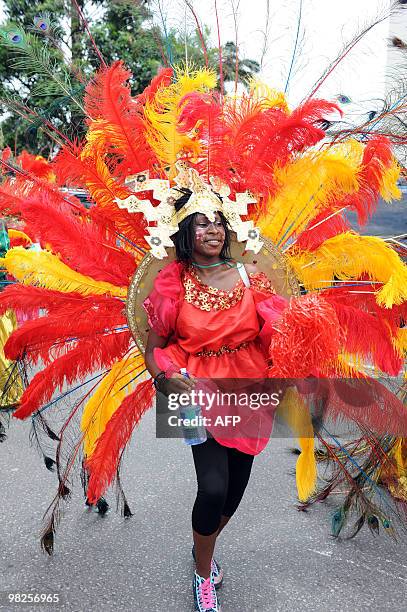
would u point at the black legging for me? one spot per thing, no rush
(222, 474)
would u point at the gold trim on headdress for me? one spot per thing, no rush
(204, 199)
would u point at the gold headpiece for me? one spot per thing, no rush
(203, 199)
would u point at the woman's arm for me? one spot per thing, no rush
(176, 383)
(153, 341)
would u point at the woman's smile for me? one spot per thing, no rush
(209, 236)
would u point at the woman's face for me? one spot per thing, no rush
(208, 237)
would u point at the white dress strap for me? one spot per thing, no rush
(243, 273)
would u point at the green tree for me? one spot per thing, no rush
(119, 29)
(123, 32)
(46, 71)
(246, 68)
(16, 84)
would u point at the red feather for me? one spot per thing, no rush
(89, 355)
(104, 461)
(11, 198)
(18, 241)
(16, 192)
(64, 231)
(104, 189)
(369, 403)
(307, 338)
(24, 298)
(35, 164)
(75, 320)
(312, 237)
(257, 138)
(29, 299)
(109, 99)
(377, 156)
(162, 79)
(365, 401)
(376, 344)
(204, 113)
(365, 300)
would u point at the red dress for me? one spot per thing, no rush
(215, 334)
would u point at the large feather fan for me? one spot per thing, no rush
(74, 288)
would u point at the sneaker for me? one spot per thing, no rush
(205, 596)
(217, 571)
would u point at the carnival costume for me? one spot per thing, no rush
(284, 188)
(11, 384)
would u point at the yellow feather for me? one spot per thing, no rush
(95, 175)
(161, 115)
(388, 183)
(99, 133)
(296, 414)
(110, 393)
(349, 256)
(271, 98)
(18, 234)
(397, 452)
(400, 341)
(305, 187)
(95, 138)
(8, 323)
(349, 365)
(43, 269)
(190, 79)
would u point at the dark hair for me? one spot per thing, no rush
(184, 238)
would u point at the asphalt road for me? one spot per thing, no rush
(388, 220)
(275, 558)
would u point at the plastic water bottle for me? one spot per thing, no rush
(193, 434)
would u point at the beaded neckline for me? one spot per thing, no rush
(209, 298)
(212, 289)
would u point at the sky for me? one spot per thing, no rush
(325, 26)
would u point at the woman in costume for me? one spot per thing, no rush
(206, 290)
(302, 185)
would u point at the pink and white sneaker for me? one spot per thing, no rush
(205, 596)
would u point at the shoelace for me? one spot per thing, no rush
(206, 591)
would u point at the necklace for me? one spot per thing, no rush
(214, 265)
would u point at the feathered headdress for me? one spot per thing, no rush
(249, 150)
(204, 198)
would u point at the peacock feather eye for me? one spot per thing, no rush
(343, 99)
(41, 23)
(15, 37)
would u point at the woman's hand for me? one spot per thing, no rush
(178, 383)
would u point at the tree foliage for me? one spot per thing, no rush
(48, 55)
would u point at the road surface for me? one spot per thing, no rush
(275, 558)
